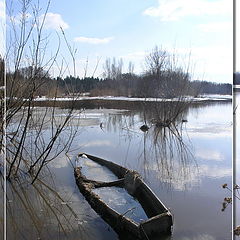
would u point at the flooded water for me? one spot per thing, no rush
(115, 197)
(119, 199)
(94, 171)
(186, 168)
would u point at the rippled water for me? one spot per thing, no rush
(186, 175)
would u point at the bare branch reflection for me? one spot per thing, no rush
(38, 211)
(165, 149)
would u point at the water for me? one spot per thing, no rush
(94, 171)
(186, 175)
(119, 199)
(115, 197)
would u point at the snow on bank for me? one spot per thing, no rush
(210, 97)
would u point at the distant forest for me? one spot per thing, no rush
(127, 84)
(131, 85)
(161, 78)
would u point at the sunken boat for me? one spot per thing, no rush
(158, 221)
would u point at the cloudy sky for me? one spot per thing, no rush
(201, 29)
(237, 37)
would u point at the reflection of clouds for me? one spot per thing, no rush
(210, 131)
(199, 237)
(186, 177)
(88, 115)
(214, 171)
(88, 122)
(60, 162)
(180, 177)
(209, 155)
(68, 193)
(53, 206)
(98, 143)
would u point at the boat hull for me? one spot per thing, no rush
(159, 222)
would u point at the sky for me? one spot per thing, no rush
(237, 37)
(2, 27)
(200, 32)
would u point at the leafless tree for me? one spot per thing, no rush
(165, 74)
(166, 77)
(130, 67)
(28, 66)
(113, 68)
(157, 62)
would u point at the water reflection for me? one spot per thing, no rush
(38, 211)
(194, 179)
(185, 163)
(119, 199)
(161, 149)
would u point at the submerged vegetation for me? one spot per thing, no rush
(26, 124)
(29, 147)
(35, 135)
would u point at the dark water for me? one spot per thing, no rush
(185, 170)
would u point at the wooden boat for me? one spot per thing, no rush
(159, 222)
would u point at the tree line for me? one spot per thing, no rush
(161, 78)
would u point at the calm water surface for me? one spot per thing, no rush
(186, 175)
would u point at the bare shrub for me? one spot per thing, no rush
(28, 147)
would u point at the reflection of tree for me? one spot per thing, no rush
(47, 135)
(38, 211)
(28, 67)
(166, 150)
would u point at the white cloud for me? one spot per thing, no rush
(237, 49)
(2, 10)
(172, 10)
(217, 59)
(206, 62)
(54, 21)
(216, 27)
(93, 40)
(209, 155)
(2, 28)
(215, 171)
(210, 61)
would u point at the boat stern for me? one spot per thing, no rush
(157, 226)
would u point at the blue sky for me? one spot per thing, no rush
(129, 29)
(237, 37)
